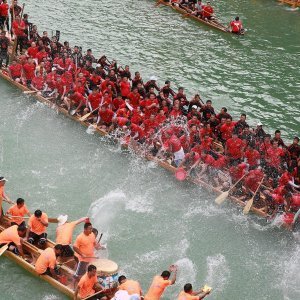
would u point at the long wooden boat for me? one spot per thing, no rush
(212, 23)
(32, 253)
(163, 164)
(293, 3)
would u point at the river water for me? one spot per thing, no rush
(150, 220)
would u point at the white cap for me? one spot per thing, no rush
(259, 123)
(98, 65)
(153, 78)
(3, 179)
(53, 69)
(194, 106)
(62, 219)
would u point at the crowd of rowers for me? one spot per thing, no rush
(190, 134)
(204, 11)
(82, 250)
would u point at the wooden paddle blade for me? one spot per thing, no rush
(221, 198)
(248, 206)
(3, 249)
(52, 220)
(83, 118)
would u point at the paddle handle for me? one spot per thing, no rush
(100, 238)
(250, 202)
(237, 182)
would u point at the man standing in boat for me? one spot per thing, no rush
(3, 195)
(4, 43)
(17, 212)
(236, 26)
(84, 247)
(159, 284)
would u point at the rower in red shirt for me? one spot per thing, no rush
(238, 171)
(253, 179)
(236, 26)
(74, 99)
(173, 145)
(4, 19)
(137, 132)
(38, 83)
(125, 87)
(94, 99)
(207, 11)
(105, 116)
(15, 71)
(227, 129)
(117, 103)
(41, 55)
(175, 112)
(151, 106)
(234, 148)
(18, 27)
(28, 71)
(160, 117)
(134, 97)
(252, 156)
(150, 124)
(61, 88)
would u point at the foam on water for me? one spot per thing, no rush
(186, 271)
(218, 272)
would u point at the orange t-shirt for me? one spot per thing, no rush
(131, 286)
(47, 259)
(18, 212)
(86, 244)
(10, 235)
(64, 233)
(157, 288)
(36, 226)
(185, 296)
(86, 285)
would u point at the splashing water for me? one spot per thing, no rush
(186, 271)
(218, 272)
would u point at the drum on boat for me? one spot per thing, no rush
(107, 272)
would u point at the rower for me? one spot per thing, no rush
(17, 212)
(46, 262)
(236, 26)
(4, 43)
(159, 284)
(84, 247)
(3, 195)
(189, 294)
(37, 226)
(198, 9)
(13, 237)
(207, 11)
(131, 286)
(64, 232)
(89, 285)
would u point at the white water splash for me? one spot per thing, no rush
(139, 204)
(186, 271)
(103, 211)
(218, 272)
(290, 283)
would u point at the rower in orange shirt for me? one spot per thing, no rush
(84, 247)
(46, 262)
(189, 294)
(88, 285)
(13, 237)
(159, 284)
(37, 226)
(3, 195)
(131, 286)
(64, 232)
(17, 212)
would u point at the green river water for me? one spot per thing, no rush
(149, 219)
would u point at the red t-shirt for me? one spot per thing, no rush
(252, 157)
(77, 98)
(38, 82)
(174, 143)
(149, 124)
(237, 172)
(40, 55)
(16, 70)
(125, 88)
(29, 71)
(134, 99)
(235, 148)
(253, 179)
(95, 99)
(106, 116)
(236, 26)
(4, 7)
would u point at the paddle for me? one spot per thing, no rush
(29, 92)
(92, 296)
(50, 220)
(3, 249)
(221, 198)
(250, 202)
(100, 238)
(83, 118)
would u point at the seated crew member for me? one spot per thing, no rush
(46, 262)
(17, 212)
(64, 232)
(189, 294)
(236, 26)
(159, 284)
(15, 71)
(37, 226)
(89, 285)
(131, 286)
(207, 11)
(13, 237)
(84, 247)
